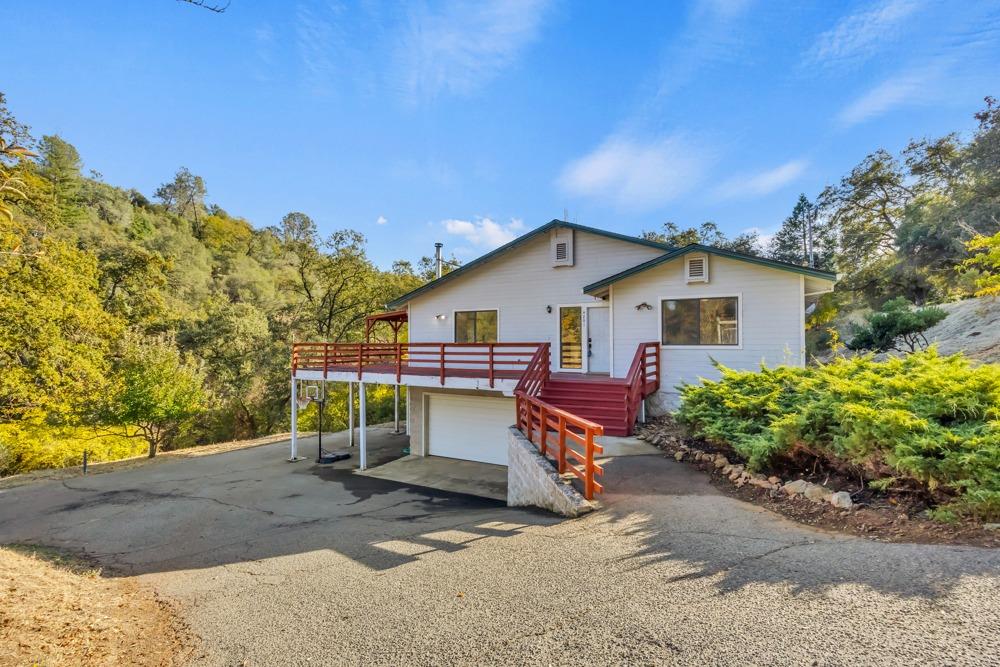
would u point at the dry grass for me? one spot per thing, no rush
(57, 611)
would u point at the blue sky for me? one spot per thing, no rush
(469, 123)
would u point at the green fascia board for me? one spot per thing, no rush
(697, 247)
(400, 301)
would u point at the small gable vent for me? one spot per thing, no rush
(561, 240)
(696, 268)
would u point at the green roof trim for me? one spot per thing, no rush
(400, 301)
(697, 247)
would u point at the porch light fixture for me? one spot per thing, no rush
(644, 306)
(548, 309)
(440, 316)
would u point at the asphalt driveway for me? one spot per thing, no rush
(275, 563)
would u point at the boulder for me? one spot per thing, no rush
(721, 461)
(842, 500)
(774, 480)
(679, 456)
(796, 487)
(816, 493)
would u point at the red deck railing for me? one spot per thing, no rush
(643, 378)
(550, 427)
(491, 361)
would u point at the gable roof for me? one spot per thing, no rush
(400, 301)
(679, 252)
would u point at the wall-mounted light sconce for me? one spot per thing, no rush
(548, 309)
(440, 316)
(644, 306)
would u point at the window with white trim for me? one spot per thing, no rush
(476, 326)
(704, 321)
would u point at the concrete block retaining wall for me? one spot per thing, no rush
(533, 481)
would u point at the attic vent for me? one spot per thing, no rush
(561, 246)
(696, 268)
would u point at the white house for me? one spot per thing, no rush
(584, 325)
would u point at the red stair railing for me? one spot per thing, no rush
(574, 448)
(643, 379)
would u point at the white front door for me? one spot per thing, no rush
(598, 340)
(472, 428)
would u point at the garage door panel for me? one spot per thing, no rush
(473, 428)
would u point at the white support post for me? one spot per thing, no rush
(396, 407)
(350, 414)
(293, 454)
(363, 426)
(642, 410)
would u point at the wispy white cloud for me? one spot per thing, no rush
(484, 233)
(634, 175)
(860, 35)
(710, 36)
(316, 38)
(762, 183)
(381, 220)
(949, 56)
(901, 89)
(462, 46)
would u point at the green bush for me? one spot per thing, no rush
(929, 419)
(896, 326)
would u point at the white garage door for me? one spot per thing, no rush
(469, 427)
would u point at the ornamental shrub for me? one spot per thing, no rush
(930, 419)
(896, 326)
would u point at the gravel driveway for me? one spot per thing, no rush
(274, 563)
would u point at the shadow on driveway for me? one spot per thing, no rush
(249, 505)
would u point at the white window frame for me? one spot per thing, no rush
(454, 320)
(720, 295)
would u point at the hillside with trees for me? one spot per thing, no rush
(132, 324)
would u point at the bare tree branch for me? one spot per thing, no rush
(218, 9)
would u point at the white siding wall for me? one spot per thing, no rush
(521, 283)
(772, 320)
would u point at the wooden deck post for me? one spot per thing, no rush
(543, 436)
(562, 444)
(350, 414)
(363, 434)
(588, 478)
(293, 455)
(396, 406)
(399, 369)
(442, 364)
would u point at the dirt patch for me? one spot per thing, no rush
(55, 610)
(881, 516)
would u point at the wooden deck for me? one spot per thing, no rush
(422, 370)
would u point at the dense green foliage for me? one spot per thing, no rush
(929, 420)
(133, 324)
(987, 260)
(897, 326)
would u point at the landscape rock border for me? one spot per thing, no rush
(659, 434)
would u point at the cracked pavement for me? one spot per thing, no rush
(274, 563)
